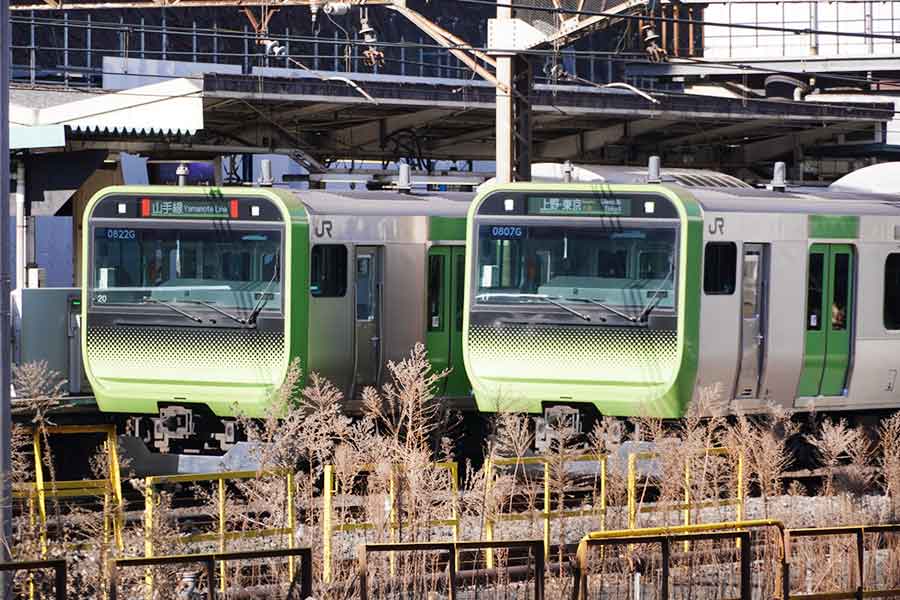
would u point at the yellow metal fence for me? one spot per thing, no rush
(329, 527)
(221, 535)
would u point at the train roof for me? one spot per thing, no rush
(753, 200)
(387, 203)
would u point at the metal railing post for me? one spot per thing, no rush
(489, 522)
(291, 519)
(210, 564)
(860, 558)
(221, 506)
(327, 500)
(746, 581)
(664, 578)
(632, 491)
(539, 572)
(548, 508)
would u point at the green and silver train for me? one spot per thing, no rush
(619, 299)
(197, 300)
(638, 300)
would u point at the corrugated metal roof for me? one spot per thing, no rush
(170, 107)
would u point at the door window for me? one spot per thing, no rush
(841, 292)
(365, 288)
(814, 292)
(892, 292)
(435, 293)
(460, 289)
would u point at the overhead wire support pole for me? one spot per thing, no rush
(5, 341)
(513, 112)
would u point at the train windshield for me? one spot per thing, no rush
(631, 267)
(226, 268)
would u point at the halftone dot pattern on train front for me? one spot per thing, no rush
(577, 354)
(186, 354)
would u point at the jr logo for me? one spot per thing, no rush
(323, 229)
(717, 226)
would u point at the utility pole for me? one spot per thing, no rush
(5, 342)
(514, 81)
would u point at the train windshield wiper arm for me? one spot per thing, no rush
(264, 297)
(554, 300)
(607, 307)
(224, 313)
(149, 300)
(656, 299)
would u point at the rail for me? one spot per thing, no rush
(452, 549)
(210, 559)
(580, 583)
(394, 521)
(59, 572)
(222, 535)
(859, 533)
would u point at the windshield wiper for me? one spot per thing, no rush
(655, 300)
(548, 299)
(264, 298)
(149, 300)
(605, 306)
(224, 313)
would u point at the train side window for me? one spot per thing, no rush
(435, 293)
(892, 292)
(328, 272)
(814, 291)
(720, 268)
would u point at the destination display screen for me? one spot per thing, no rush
(578, 206)
(602, 204)
(192, 209)
(195, 207)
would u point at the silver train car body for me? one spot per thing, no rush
(760, 341)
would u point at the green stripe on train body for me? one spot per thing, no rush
(623, 371)
(132, 369)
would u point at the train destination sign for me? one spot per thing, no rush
(189, 209)
(578, 206)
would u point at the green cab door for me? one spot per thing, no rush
(829, 311)
(444, 313)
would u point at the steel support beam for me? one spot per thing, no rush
(714, 134)
(375, 131)
(778, 146)
(577, 144)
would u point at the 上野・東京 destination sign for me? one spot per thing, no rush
(575, 206)
(196, 209)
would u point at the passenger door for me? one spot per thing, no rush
(829, 312)
(445, 291)
(753, 319)
(368, 315)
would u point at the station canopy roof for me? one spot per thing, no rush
(320, 117)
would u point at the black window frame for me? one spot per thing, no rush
(720, 289)
(339, 267)
(893, 325)
(435, 292)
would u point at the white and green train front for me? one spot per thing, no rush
(189, 312)
(583, 295)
